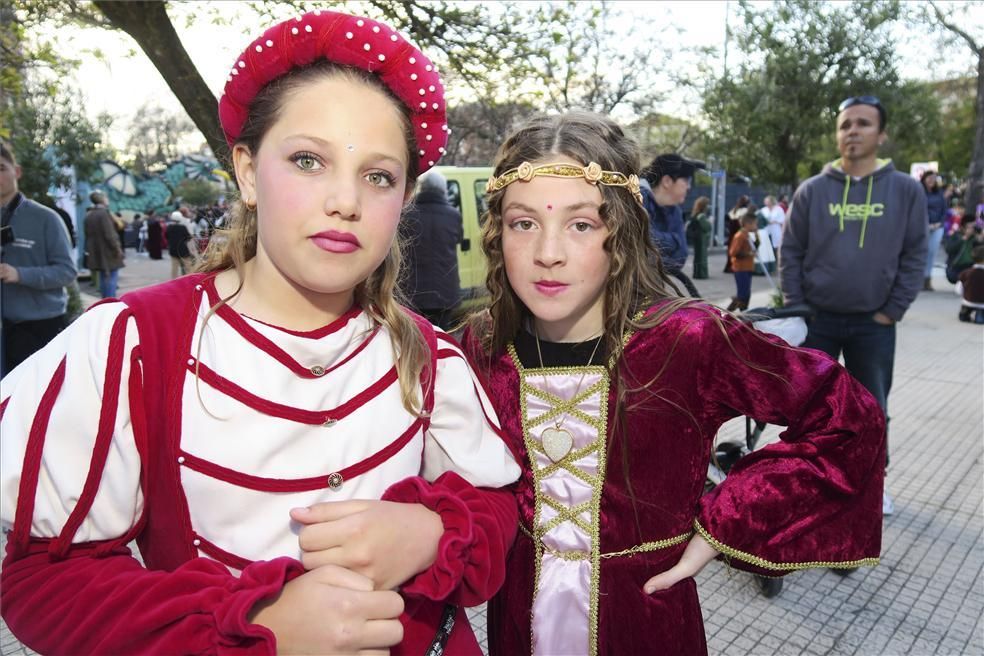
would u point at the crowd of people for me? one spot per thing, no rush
(308, 466)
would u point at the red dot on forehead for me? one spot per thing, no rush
(549, 206)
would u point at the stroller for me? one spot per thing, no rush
(788, 324)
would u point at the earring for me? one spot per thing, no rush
(250, 204)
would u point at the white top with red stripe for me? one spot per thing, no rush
(248, 416)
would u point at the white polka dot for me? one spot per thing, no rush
(307, 28)
(428, 68)
(413, 76)
(349, 35)
(198, 287)
(422, 92)
(293, 30)
(299, 19)
(382, 58)
(242, 64)
(375, 29)
(430, 163)
(196, 542)
(449, 130)
(413, 60)
(235, 71)
(367, 47)
(393, 38)
(431, 88)
(360, 23)
(421, 153)
(435, 105)
(440, 150)
(317, 12)
(269, 43)
(181, 460)
(428, 137)
(423, 125)
(259, 48)
(423, 105)
(444, 127)
(191, 360)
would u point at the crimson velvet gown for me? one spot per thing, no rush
(620, 507)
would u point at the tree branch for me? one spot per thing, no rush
(945, 22)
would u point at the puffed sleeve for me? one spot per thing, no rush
(813, 499)
(465, 461)
(72, 498)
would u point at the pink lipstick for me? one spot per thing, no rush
(550, 287)
(334, 241)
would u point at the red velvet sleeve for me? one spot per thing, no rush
(813, 499)
(113, 605)
(479, 528)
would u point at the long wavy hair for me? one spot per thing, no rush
(235, 245)
(636, 278)
(638, 294)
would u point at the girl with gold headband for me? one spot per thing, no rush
(611, 388)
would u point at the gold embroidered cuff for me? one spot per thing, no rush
(780, 567)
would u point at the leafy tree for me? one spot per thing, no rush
(40, 118)
(773, 116)
(959, 21)
(479, 128)
(155, 136)
(197, 192)
(467, 37)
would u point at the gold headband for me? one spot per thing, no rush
(592, 173)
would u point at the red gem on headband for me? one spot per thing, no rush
(350, 41)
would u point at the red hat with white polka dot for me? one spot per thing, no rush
(350, 41)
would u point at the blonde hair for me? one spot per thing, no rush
(232, 247)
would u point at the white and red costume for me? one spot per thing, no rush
(135, 423)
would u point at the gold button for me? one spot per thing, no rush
(318, 370)
(329, 423)
(335, 480)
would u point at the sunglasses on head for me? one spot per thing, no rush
(859, 100)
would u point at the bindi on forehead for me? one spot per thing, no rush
(549, 207)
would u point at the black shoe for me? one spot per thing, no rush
(964, 315)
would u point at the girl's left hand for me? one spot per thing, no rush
(697, 554)
(385, 541)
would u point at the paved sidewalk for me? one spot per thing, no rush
(927, 595)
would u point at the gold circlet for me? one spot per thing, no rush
(556, 440)
(593, 173)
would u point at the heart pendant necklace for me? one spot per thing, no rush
(556, 440)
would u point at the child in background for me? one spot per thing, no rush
(741, 252)
(612, 389)
(284, 442)
(972, 280)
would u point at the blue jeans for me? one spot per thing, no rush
(868, 348)
(743, 285)
(107, 282)
(935, 238)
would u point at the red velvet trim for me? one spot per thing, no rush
(3, 406)
(218, 553)
(482, 382)
(264, 484)
(104, 436)
(281, 411)
(21, 534)
(257, 339)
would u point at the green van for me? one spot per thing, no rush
(466, 191)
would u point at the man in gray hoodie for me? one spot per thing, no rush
(35, 265)
(854, 248)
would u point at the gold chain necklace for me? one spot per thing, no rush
(556, 440)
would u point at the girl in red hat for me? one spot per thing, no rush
(286, 444)
(611, 388)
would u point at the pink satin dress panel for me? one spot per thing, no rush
(561, 606)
